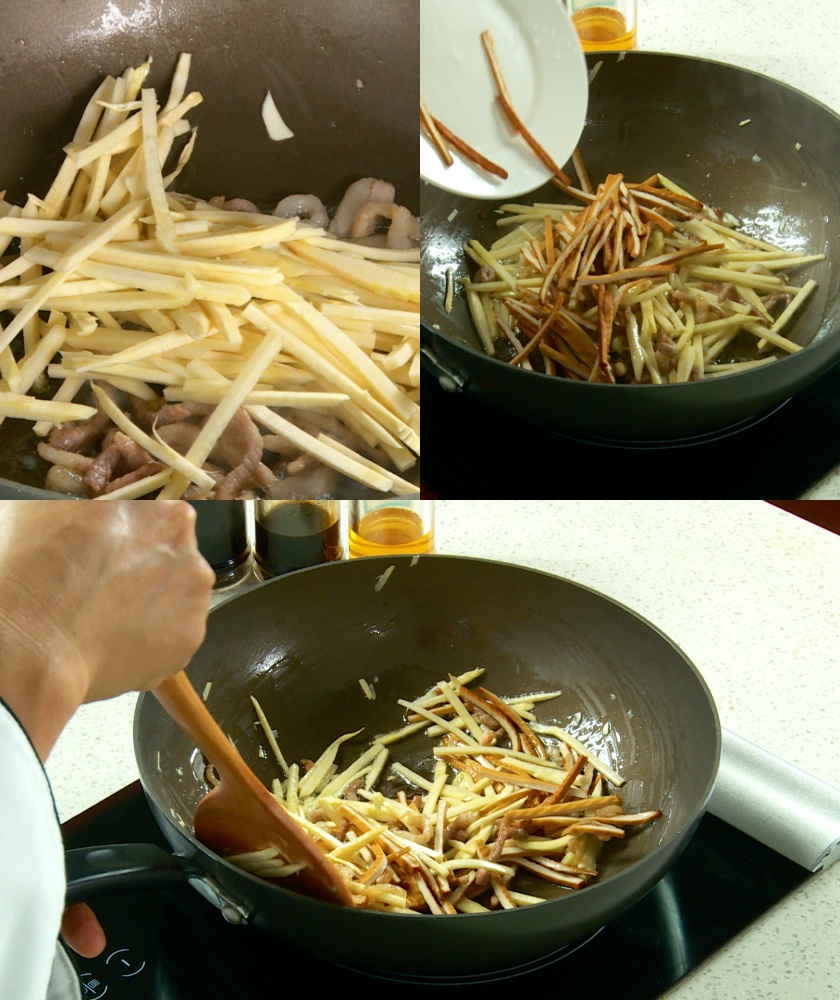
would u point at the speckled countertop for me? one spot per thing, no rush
(746, 589)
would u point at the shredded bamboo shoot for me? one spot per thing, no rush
(156, 291)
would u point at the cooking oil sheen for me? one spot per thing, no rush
(390, 531)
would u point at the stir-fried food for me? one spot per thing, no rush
(164, 343)
(635, 282)
(640, 283)
(510, 804)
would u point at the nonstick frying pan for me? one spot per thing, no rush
(749, 144)
(300, 644)
(343, 73)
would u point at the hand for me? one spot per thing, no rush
(82, 931)
(96, 598)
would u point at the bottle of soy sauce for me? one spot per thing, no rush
(222, 531)
(293, 534)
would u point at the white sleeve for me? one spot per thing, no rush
(32, 881)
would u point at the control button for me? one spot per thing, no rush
(123, 964)
(92, 988)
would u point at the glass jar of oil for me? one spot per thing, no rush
(391, 527)
(604, 25)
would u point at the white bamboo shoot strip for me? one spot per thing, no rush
(10, 295)
(399, 487)
(13, 225)
(393, 257)
(383, 280)
(178, 87)
(145, 256)
(165, 227)
(210, 392)
(147, 374)
(148, 280)
(140, 488)
(13, 404)
(114, 299)
(234, 241)
(34, 363)
(326, 369)
(382, 481)
(124, 252)
(225, 409)
(66, 263)
(148, 347)
(401, 323)
(107, 145)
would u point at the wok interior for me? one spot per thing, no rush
(343, 76)
(300, 644)
(737, 140)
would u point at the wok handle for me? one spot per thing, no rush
(96, 871)
(448, 379)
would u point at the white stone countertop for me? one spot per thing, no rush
(750, 593)
(795, 41)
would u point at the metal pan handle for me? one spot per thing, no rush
(448, 379)
(95, 871)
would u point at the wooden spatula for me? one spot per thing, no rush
(240, 815)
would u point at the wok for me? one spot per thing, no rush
(300, 644)
(344, 76)
(684, 117)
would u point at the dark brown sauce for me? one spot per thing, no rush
(293, 534)
(222, 533)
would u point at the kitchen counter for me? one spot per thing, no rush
(748, 590)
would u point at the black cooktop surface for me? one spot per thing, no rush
(172, 945)
(473, 450)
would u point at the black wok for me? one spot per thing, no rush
(300, 645)
(344, 75)
(683, 117)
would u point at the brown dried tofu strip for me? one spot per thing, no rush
(506, 104)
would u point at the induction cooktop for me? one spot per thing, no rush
(473, 450)
(173, 945)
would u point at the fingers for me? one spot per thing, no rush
(82, 932)
(96, 599)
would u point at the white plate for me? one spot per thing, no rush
(545, 70)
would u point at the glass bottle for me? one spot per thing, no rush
(222, 533)
(604, 25)
(391, 527)
(293, 534)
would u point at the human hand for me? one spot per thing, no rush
(82, 932)
(95, 599)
